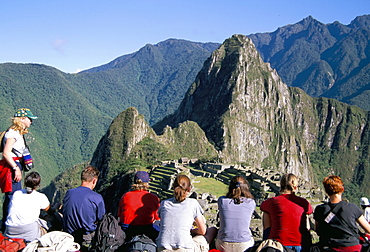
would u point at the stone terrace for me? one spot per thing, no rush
(264, 184)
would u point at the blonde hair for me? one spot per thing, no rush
(288, 182)
(18, 125)
(181, 187)
(140, 186)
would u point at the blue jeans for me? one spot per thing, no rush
(295, 248)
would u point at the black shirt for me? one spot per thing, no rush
(339, 230)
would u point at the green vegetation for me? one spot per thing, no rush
(75, 110)
(327, 60)
(210, 185)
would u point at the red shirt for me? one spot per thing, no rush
(138, 208)
(288, 219)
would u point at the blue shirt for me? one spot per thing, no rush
(82, 208)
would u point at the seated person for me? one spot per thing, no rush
(285, 216)
(138, 209)
(83, 208)
(178, 214)
(24, 210)
(336, 221)
(235, 210)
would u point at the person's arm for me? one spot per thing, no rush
(201, 226)
(9, 159)
(47, 208)
(316, 226)
(266, 223)
(364, 224)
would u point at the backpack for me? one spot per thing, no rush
(141, 243)
(109, 235)
(269, 245)
(11, 244)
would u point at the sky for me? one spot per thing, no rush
(74, 35)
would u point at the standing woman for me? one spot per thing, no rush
(177, 217)
(235, 210)
(14, 148)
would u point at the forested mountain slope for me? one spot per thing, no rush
(75, 110)
(329, 60)
(239, 111)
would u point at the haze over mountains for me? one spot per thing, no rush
(75, 109)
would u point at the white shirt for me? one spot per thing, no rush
(19, 144)
(177, 219)
(25, 208)
(367, 214)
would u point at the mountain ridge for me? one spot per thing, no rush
(76, 109)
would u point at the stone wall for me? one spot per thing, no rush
(264, 184)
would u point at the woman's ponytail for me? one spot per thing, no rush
(181, 187)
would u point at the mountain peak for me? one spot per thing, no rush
(233, 99)
(362, 22)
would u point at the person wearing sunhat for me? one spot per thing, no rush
(14, 150)
(138, 209)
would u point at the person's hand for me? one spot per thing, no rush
(18, 175)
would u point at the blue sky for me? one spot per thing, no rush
(73, 35)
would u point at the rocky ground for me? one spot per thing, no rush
(264, 184)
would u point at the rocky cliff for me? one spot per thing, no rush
(252, 117)
(245, 110)
(239, 111)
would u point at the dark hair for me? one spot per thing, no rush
(32, 181)
(333, 184)
(238, 188)
(288, 181)
(89, 173)
(181, 186)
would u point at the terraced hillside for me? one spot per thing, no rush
(264, 184)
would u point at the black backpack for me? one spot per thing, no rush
(141, 243)
(108, 236)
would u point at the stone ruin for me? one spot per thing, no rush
(264, 184)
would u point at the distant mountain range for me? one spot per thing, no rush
(75, 110)
(325, 60)
(238, 111)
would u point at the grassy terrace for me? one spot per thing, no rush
(210, 185)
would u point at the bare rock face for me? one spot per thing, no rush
(239, 111)
(245, 110)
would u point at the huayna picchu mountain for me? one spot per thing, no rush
(329, 60)
(245, 110)
(238, 110)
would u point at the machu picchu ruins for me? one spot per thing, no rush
(264, 183)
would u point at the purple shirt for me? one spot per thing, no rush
(235, 219)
